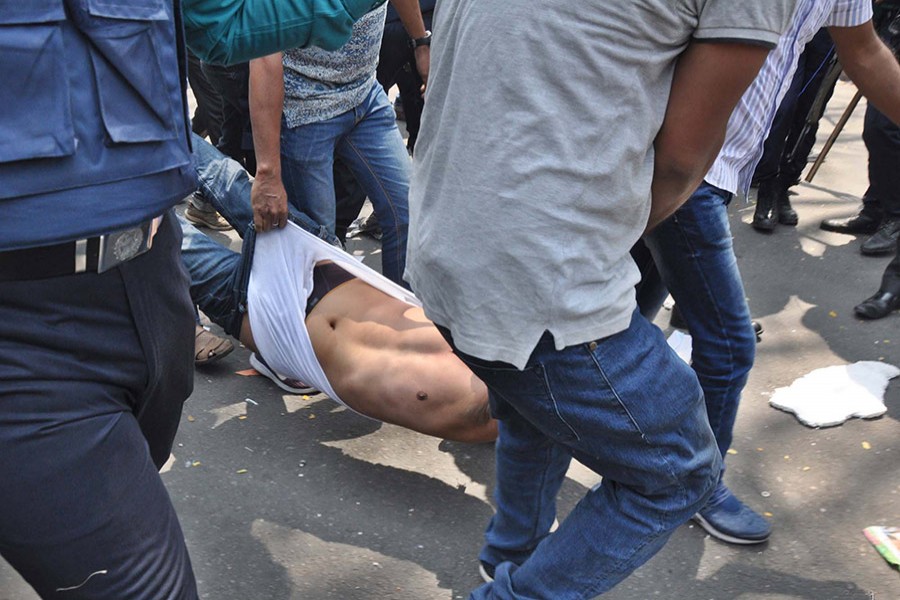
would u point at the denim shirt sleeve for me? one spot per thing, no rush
(233, 31)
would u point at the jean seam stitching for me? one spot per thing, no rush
(617, 397)
(556, 410)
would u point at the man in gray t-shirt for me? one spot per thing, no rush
(595, 121)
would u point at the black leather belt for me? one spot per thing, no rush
(94, 255)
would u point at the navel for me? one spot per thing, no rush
(422, 396)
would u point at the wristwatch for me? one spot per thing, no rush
(425, 40)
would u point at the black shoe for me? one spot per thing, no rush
(765, 217)
(884, 241)
(758, 330)
(880, 305)
(786, 214)
(861, 223)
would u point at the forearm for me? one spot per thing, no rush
(411, 16)
(233, 31)
(708, 82)
(871, 65)
(674, 181)
(266, 108)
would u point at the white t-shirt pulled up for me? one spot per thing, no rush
(281, 280)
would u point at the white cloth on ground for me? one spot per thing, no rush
(831, 395)
(281, 280)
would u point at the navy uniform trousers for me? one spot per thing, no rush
(94, 369)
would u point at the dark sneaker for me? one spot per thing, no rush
(726, 518)
(486, 571)
(365, 225)
(884, 241)
(291, 386)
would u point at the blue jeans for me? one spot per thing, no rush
(368, 141)
(626, 407)
(694, 254)
(219, 276)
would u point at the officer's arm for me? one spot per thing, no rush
(871, 66)
(233, 31)
(709, 80)
(410, 14)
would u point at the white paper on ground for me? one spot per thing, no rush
(682, 344)
(831, 395)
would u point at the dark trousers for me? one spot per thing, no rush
(232, 84)
(882, 139)
(207, 119)
(94, 369)
(890, 282)
(789, 141)
(397, 66)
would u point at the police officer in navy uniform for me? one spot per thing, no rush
(96, 325)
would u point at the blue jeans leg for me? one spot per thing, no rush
(694, 254)
(374, 151)
(628, 408)
(523, 453)
(307, 165)
(226, 185)
(217, 274)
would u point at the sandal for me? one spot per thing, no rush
(208, 347)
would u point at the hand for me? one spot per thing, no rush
(269, 201)
(423, 64)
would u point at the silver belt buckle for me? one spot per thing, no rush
(122, 246)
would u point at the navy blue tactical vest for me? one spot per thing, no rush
(93, 117)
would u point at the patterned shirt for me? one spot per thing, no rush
(753, 116)
(319, 84)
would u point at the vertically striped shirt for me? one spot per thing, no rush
(753, 116)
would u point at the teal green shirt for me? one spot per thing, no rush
(233, 31)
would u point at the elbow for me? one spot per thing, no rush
(682, 173)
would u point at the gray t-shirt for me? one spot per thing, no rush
(533, 167)
(321, 84)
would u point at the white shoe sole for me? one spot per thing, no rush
(484, 574)
(267, 372)
(707, 526)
